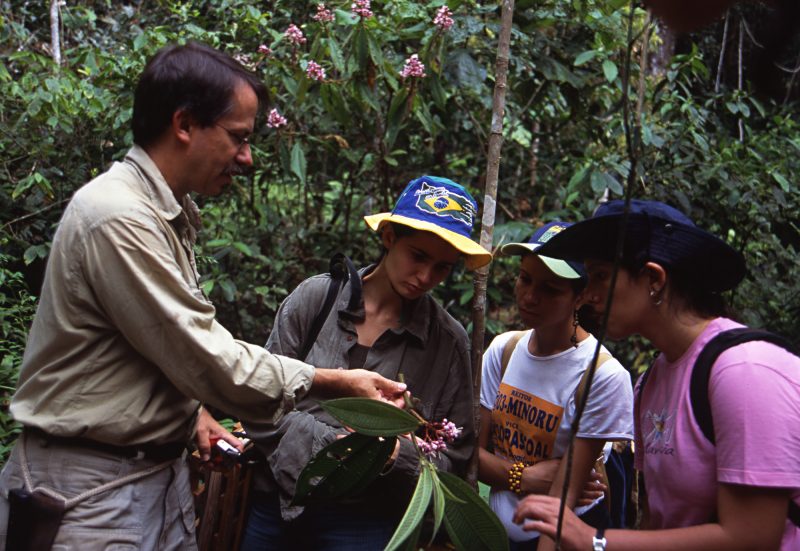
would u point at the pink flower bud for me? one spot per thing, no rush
(314, 71)
(275, 119)
(323, 14)
(361, 8)
(413, 68)
(443, 19)
(294, 35)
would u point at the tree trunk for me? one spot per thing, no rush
(489, 206)
(55, 34)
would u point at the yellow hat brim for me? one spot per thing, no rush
(476, 256)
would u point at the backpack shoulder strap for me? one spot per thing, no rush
(602, 358)
(508, 349)
(701, 372)
(341, 270)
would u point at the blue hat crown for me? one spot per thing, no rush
(438, 201)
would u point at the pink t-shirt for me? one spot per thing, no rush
(755, 398)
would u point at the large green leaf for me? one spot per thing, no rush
(371, 417)
(470, 522)
(343, 467)
(415, 512)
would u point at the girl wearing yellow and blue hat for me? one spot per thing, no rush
(395, 328)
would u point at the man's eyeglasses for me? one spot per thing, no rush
(238, 139)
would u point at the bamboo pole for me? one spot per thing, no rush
(489, 207)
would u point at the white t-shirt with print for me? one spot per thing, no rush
(533, 408)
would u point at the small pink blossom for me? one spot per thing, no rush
(323, 15)
(361, 8)
(265, 50)
(275, 119)
(413, 68)
(437, 436)
(295, 35)
(444, 18)
(314, 71)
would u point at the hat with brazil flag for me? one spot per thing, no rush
(439, 206)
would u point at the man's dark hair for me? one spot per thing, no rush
(193, 77)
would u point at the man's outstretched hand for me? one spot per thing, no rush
(357, 382)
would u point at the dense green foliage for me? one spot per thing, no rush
(354, 139)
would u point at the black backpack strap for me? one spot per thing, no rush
(794, 512)
(341, 270)
(637, 400)
(701, 372)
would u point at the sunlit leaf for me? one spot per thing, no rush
(585, 57)
(782, 181)
(243, 248)
(610, 70)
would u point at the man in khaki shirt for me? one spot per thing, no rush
(125, 346)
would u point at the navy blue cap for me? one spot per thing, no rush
(655, 232)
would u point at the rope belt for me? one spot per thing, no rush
(72, 502)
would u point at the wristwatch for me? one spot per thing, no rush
(598, 541)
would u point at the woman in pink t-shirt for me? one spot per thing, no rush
(728, 495)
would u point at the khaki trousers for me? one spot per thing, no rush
(154, 513)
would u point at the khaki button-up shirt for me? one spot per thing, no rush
(124, 342)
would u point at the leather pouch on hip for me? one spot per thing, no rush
(33, 520)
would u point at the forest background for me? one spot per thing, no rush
(356, 120)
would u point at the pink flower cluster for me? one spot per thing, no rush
(265, 50)
(413, 68)
(444, 18)
(437, 436)
(323, 15)
(295, 35)
(361, 8)
(275, 119)
(314, 71)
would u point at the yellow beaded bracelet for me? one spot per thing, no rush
(515, 477)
